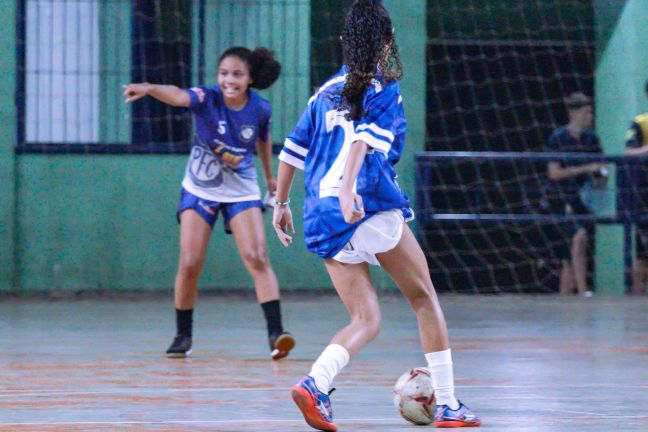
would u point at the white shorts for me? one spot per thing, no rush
(377, 234)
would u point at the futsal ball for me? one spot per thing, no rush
(414, 396)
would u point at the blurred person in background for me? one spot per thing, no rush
(568, 178)
(637, 144)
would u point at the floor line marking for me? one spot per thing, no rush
(13, 393)
(82, 423)
(256, 421)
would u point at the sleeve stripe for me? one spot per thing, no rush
(376, 143)
(296, 148)
(193, 97)
(377, 138)
(384, 133)
(293, 154)
(291, 160)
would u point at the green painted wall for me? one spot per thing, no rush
(90, 222)
(97, 221)
(621, 71)
(7, 144)
(409, 20)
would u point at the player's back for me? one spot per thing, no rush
(320, 144)
(382, 127)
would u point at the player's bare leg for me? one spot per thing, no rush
(416, 285)
(406, 264)
(639, 276)
(353, 284)
(567, 285)
(311, 394)
(249, 233)
(579, 260)
(194, 236)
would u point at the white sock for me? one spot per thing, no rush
(440, 367)
(328, 365)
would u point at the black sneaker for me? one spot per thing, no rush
(280, 345)
(180, 347)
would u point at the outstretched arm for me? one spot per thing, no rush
(169, 94)
(282, 217)
(350, 202)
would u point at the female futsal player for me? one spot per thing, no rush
(347, 141)
(230, 120)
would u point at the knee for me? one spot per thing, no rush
(420, 294)
(370, 323)
(256, 259)
(372, 329)
(190, 266)
(422, 301)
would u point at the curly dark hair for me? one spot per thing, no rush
(369, 49)
(264, 69)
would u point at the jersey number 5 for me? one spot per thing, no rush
(332, 180)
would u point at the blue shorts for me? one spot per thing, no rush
(208, 210)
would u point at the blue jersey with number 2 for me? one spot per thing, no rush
(320, 145)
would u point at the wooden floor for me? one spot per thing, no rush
(522, 363)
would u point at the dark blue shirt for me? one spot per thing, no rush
(561, 141)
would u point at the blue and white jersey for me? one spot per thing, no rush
(221, 166)
(320, 145)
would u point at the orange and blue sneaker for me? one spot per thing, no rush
(314, 405)
(444, 417)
